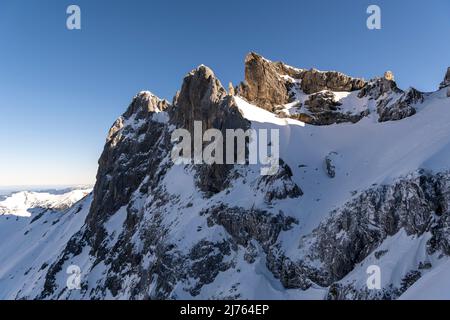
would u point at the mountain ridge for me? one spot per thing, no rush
(155, 230)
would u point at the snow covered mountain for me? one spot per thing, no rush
(364, 180)
(25, 203)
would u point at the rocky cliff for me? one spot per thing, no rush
(318, 97)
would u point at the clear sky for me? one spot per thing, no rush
(61, 90)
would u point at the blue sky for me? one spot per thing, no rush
(61, 90)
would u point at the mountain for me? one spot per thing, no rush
(363, 180)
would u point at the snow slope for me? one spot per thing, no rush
(432, 286)
(34, 228)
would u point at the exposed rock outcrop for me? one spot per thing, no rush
(263, 84)
(446, 81)
(203, 98)
(136, 144)
(272, 85)
(322, 109)
(278, 186)
(246, 225)
(401, 108)
(268, 84)
(417, 204)
(379, 87)
(199, 99)
(330, 167)
(392, 103)
(314, 81)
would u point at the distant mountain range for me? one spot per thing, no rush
(7, 190)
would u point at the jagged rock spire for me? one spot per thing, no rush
(231, 89)
(145, 102)
(198, 99)
(263, 84)
(388, 75)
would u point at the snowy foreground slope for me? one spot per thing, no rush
(34, 227)
(364, 180)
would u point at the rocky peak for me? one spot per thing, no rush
(139, 133)
(203, 98)
(392, 103)
(379, 87)
(269, 84)
(126, 159)
(263, 84)
(446, 81)
(272, 85)
(390, 110)
(198, 100)
(142, 107)
(144, 103)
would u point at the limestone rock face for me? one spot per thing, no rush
(203, 98)
(268, 84)
(246, 225)
(263, 84)
(323, 109)
(273, 85)
(392, 103)
(143, 104)
(198, 100)
(126, 160)
(446, 81)
(321, 102)
(314, 81)
(272, 189)
(401, 108)
(416, 204)
(379, 87)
